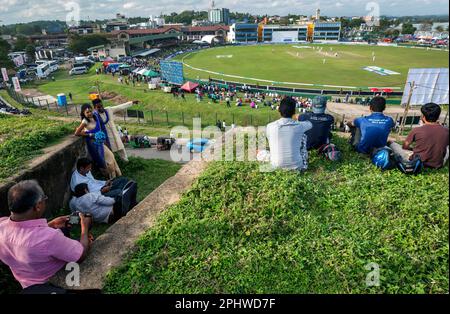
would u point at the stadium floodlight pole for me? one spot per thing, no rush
(408, 104)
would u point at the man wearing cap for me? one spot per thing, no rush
(320, 134)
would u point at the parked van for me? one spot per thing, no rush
(78, 70)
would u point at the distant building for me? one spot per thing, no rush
(114, 50)
(317, 17)
(250, 32)
(284, 34)
(155, 22)
(444, 26)
(85, 29)
(141, 40)
(120, 23)
(201, 23)
(243, 33)
(191, 33)
(219, 16)
(366, 28)
(52, 40)
(325, 31)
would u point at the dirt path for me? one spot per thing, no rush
(329, 54)
(352, 111)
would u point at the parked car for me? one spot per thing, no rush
(197, 145)
(78, 70)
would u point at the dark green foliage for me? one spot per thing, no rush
(408, 28)
(80, 44)
(242, 231)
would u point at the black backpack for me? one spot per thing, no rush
(410, 167)
(330, 152)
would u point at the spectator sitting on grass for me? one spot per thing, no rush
(287, 139)
(371, 132)
(33, 249)
(431, 140)
(320, 134)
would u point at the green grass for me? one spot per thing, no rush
(22, 138)
(149, 174)
(238, 230)
(156, 103)
(283, 65)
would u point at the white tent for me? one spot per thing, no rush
(210, 39)
(141, 72)
(431, 85)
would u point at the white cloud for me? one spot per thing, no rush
(13, 11)
(129, 5)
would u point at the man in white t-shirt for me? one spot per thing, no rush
(287, 139)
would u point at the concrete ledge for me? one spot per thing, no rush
(109, 249)
(52, 169)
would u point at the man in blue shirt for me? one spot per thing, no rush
(322, 123)
(372, 132)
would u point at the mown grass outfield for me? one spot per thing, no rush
(238, 230)
(280, 63)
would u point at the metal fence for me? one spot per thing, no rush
(166, 118)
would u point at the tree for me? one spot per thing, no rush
(80, 44)
(5, 61)
(392, 33)
(408, 28)
(21, 43)
(439, 28)
(4, 46)
(30, 50)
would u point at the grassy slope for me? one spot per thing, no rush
(22, 138)
(283, 65)
(159, 102)
(242, 231)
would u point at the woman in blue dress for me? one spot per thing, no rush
(95, 138)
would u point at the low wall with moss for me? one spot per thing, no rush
(52, 170)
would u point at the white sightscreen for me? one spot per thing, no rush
(284, 36)
(431, 86)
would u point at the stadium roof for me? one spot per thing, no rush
(146, 52)
(205, 28)
(152, 31)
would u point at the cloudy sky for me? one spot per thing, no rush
(13, 11)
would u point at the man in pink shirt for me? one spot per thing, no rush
(33, 249)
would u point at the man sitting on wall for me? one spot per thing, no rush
(431, 140)
(34, 249)
(371, 132)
